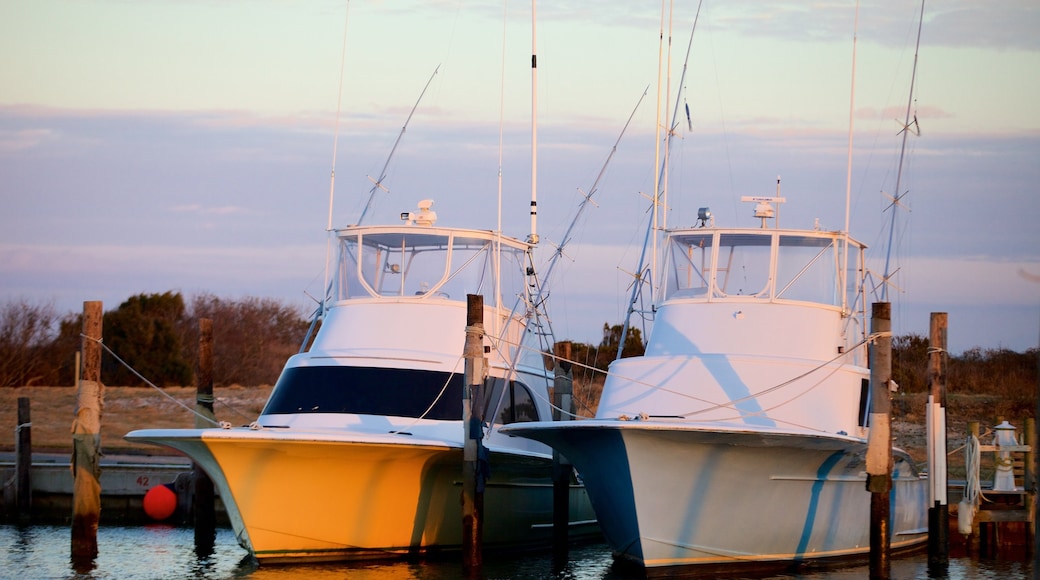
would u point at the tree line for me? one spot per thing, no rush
(157, 336)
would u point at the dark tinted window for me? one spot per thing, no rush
(367, 391)
(515, 405)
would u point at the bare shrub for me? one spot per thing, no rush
(27, 335)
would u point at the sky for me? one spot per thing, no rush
(189, 145)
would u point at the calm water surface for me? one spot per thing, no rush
(162, 551)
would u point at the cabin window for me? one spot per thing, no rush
(515, 403)
(367, 391)
(743, 265)
(690, 261)
(807, 269)
(423, 264)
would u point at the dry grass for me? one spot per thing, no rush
(125, 409)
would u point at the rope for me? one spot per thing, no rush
(713, 406)
(444, 388)
(972, 487)
(222, 424)
(983, 436)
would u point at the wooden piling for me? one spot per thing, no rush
(203, 502)
(1031, 481)
(938, 508)
(973, 539)
(23, 461)
(563, 390)
(1034, 440)
(472, 421)
(86, 439)
(879, 443)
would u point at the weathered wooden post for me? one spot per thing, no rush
(23, 461)
(563, 390)
(938, 508)
(86, 440)
(203, 503)
(473, 431)
(1034, 440)
(879, 443)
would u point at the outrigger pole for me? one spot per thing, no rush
(377, 184)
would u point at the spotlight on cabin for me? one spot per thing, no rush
(703, 216)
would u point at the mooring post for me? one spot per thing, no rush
(1030, 482)
(203, 503)
(23, 461)
(473, 431)
(938, 507)
(975, 538)
(1034, 440)
(563, 390)
(86, 440)
(879, 443)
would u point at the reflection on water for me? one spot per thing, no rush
(161, 551)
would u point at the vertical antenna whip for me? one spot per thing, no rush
(848, 171)
(332, 177)
(533, 239)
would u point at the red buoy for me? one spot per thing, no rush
(160, 502)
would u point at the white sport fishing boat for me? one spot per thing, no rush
(359, 450)
(739, 440)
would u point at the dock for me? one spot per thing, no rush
(125, 479)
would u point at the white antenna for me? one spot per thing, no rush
(657, 158)
(533, 238)
(501, 146)
(332, 178)
(848, 175)
(668, 95)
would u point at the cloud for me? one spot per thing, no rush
(209, 210)
(18, 140)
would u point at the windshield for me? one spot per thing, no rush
(759, 265)
(393, 392)
(426, 263)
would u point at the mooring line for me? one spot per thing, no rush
(222, 424)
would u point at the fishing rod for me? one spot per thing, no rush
(587, 197)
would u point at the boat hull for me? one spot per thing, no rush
(299, 499)
(716, 498)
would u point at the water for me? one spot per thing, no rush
(167, 552)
